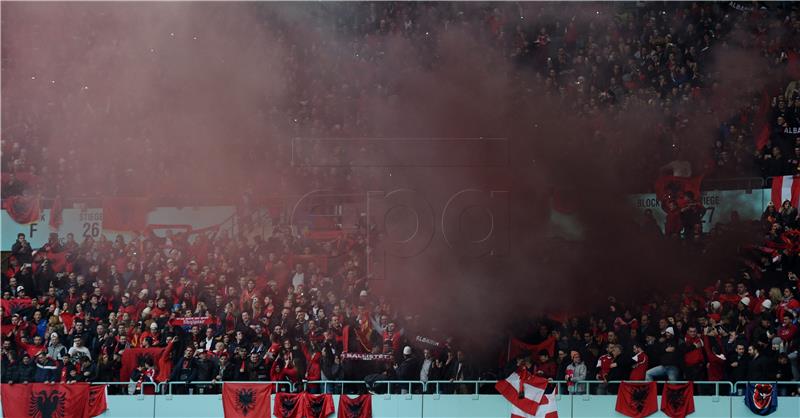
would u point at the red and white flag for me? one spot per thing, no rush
(785, 188)
(547, 408)
(524, 390)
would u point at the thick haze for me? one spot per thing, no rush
(206, 81)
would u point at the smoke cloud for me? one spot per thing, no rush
(227, 86)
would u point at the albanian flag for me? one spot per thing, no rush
(677, 400)
(318, 406)
(240, 400)
(358, 407)
(637, 400)
(515, 347)
(97, 400)
(303, 405)
(12, 306)
(23, 209)
(132, 357)
(288, 405)
(761, 398)
(39, 400)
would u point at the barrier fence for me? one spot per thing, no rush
(476, 387)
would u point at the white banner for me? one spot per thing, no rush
(719, 206)
(89, 222)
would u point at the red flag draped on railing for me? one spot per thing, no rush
(358, 407)
(524, 390)
(125, 213)
(288, 405)
(303, 405)
(23, 209)
(637, 400)
(241, 400)
(35, 400)
(97, 400)
(677, 400)
(318, 406)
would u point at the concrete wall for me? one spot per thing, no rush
(201, 406)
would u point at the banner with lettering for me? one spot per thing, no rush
(720, 205)
(367, 357)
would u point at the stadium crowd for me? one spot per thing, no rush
(293, 308)
(230, 308)
(644, 55)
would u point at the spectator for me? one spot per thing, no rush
(576, 372)
(184, 371)
(47, 371)
(21, 250)
(408, 368)
(22, 372)
(667, 353)
(78, 349)
(759, 368)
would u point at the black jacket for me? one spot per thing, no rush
(184, 372)
(760, 368)
(19, 373)
(738, 373)
(408, 369)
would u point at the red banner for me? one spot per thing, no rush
(190, 321)
(125, 213)
(35, 400)
(23, 209)
(637, 400)
(132, 356)
(97, 400)
(358, 407)
(677, 400)
(239, 400)
(56, 213)
(367, 357)
(516, 347)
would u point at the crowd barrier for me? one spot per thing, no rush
(476, 387)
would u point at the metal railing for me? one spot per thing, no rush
(434, 387)
(736, 386)
(278, 385)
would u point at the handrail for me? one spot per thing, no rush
(437, 384)
(773, 382)
(220, 382)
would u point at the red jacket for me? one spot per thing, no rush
(640, 368)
